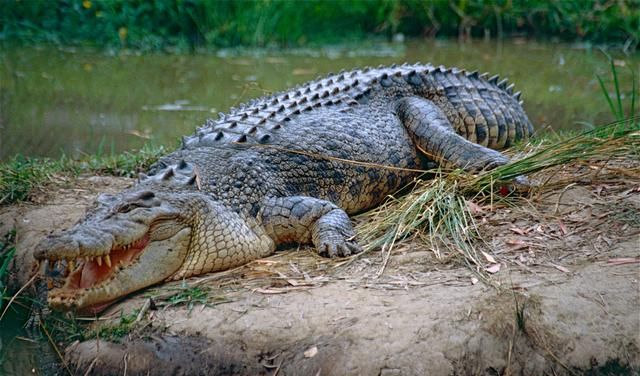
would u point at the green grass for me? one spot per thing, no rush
(521, 318)
(21, 176)
(65, 328)
(62, 327)
(185, 294)
(114, 332)
(615, 100)
(188, 296)
(7, 251)
(183, 25)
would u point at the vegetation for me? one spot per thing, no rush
(61, 328)
(116, 331)
(21, 176)
(188, 295)
(161, 24)
(615, 100)
(64, 328)
(7, 251)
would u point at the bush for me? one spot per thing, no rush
(184, 24)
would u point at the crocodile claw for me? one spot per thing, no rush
(341, 248)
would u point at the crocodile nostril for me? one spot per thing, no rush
(105, 198)
(146, 195)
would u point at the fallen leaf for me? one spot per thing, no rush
(623, 260)
(517, 231)
(295, 283)
(474, 208)
(517, 244)
(268, 262)
(563, 228)
(493, 268)
(311, 352)
(561, 268)
(488, 257)
(270, 291)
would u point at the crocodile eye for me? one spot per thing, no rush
(125, 208)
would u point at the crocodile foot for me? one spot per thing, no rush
(338, 247)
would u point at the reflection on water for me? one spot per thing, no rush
(24, 351)
(55, 101)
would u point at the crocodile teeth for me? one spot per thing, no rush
(99, 260)
(71, 265)
(107, 260)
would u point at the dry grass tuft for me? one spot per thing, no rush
(435, 213)
(620, 138)
(439, 212)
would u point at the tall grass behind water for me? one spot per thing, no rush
(183, 25)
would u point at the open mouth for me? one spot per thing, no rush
(90, 272)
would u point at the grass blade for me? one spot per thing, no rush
(616, 85)
(634, 92)
(607, 96)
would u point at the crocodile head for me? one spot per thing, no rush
(126, 242)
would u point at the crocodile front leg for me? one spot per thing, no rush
(305, 219)
(434, 135)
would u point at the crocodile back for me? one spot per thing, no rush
(482, 109)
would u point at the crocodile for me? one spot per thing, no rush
(282, 169)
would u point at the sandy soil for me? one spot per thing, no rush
(565, 270)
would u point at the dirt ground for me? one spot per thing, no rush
(564, 296)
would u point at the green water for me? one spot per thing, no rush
(24, 350)
(61, 101)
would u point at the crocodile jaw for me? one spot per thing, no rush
(125, 243)
(91, 287)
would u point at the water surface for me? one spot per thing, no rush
(56, 101)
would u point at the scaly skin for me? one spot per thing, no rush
(283, 169)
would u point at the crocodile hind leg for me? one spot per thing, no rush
(433, 134)
(304, 219)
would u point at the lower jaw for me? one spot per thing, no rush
(95, 309)
(88, 310)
